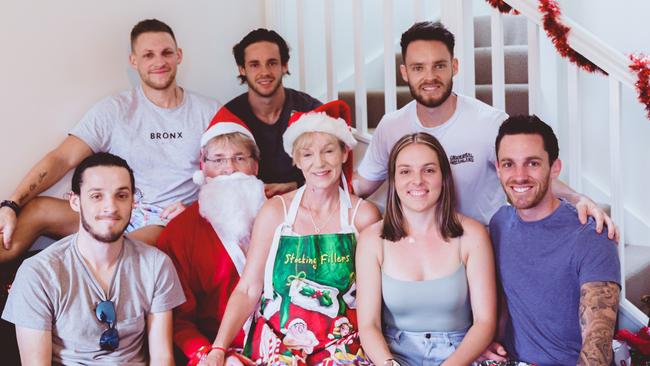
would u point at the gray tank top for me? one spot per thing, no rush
(437, 305)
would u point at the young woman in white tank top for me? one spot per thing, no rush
(418, 268)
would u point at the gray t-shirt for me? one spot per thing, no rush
(53, 291)
(161, 145)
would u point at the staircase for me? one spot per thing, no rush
(516, 71)
(567, 98)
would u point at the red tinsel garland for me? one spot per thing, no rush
(641, 66)
(502, 6)
(558, 33)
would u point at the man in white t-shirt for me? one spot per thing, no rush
(465, 127)
(156, 127)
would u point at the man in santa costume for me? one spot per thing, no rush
(208, 241)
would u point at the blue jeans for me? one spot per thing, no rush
(422, 348)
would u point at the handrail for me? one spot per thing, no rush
(584, 42)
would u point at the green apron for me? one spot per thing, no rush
(308, 310)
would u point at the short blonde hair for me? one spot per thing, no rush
(234, 138)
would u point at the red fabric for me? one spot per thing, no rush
(208, 277)
(225, 115)
(639, 341)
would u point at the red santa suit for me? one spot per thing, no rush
(207, 274)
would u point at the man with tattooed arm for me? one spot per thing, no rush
(560, 279)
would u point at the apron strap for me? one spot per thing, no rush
(295, 205)
(343, 211)
(348, 200)
(270, 262)
(289, 218)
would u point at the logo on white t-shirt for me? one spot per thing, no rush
(462, 158)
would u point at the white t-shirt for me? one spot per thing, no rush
(161, 145)
(468, 139)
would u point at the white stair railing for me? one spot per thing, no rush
(390, 79)
(360, 94)
(458, 16)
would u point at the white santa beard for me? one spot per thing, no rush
(230, 203)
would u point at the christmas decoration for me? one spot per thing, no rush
(641, 66)
(558, 32)
(502, 7)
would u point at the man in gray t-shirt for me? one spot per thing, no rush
(156, 127)
(93, 297)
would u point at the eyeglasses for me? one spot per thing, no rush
(238, 160)
(110, 339)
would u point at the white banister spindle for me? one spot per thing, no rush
(615, 168)
(300, 15)
(575, 128)
(467, 20)
(360, 101)
(390, 96)
(269, 14)
(448, 14)
(418, 10)
(498, 61)
(458, 17)
(332, 90)
(534, 82)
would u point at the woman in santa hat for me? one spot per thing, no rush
(301, 257)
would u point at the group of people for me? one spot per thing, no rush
(263, 251)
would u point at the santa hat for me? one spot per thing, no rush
(294, 321)
(340, 321)
(333, 118)
(224, 122)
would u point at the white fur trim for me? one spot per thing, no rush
(198, 177)
(222, 128)
(317, 122)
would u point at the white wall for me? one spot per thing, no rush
(60, 57)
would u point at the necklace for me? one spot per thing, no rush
(313, 222)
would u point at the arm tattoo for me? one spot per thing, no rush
(32, 187)
(598, 308)
(22, 198)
